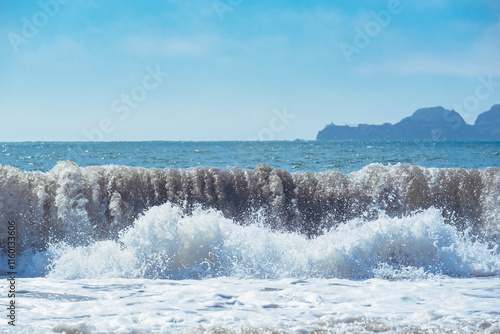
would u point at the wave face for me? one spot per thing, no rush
(79, 205)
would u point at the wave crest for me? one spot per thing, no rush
(82, 205)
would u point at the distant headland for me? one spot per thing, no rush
(425, 124)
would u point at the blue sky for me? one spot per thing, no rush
(238, 69)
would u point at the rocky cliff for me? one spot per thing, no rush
(425, 124)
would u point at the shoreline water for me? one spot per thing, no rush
(230, 305)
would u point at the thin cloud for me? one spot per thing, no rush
(478, 58)
(192, 46)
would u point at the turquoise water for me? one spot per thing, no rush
(311, 156)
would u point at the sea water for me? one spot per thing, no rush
(246, 237)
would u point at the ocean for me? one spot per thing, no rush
(250, 237)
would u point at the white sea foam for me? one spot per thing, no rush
(232, 305)
(163, 243)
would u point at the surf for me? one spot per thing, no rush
(79, 205)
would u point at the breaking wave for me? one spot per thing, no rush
(381, 221)
(164, 243)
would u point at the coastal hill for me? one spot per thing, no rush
(425, 124)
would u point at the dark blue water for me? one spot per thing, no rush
(312, 156)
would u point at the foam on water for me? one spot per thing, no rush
(165, 243)
(386, 275)
(229, 305)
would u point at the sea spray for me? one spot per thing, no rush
(164, 243)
